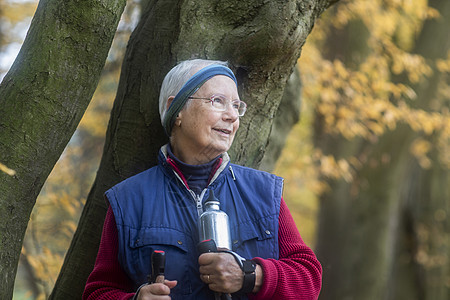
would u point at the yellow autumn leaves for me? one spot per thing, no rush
(365, 101)
(371, 92)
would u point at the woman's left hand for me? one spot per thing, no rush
(221, 272)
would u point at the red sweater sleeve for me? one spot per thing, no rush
(297, 274)
(108, 280)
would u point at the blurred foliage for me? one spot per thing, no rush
(361, 100)
(15, 17)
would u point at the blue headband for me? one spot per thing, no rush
(189, 88)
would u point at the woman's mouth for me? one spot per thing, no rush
(223, 131)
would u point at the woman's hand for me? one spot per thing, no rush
(221, 272)
(156, 291)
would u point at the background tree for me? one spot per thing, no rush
(382, 133)
(42, 99)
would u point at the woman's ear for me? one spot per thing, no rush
(178, 119)
(169, 101)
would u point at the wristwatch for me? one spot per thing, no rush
(247, 266)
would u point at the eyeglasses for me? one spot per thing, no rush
(220, 103)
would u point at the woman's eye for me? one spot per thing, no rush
(218, 100)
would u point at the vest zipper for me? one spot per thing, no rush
(198, 200)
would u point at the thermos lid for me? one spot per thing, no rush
(212, 198)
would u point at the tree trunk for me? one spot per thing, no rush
(389, 239)
(422, 245)
(287, 116)
(42, 99)
(261, 41)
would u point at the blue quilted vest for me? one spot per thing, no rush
(155, 211)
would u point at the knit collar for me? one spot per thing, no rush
(195, 177)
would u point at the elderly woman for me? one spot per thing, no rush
(159, 208)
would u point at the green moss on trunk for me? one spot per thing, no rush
(42, 99)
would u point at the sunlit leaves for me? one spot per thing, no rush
(44, 264)
(364, 100)
(297, 166)
(54, 218)
(444, 65)
(365, 97)
(15, 12)
(420, 149)
(14, 20)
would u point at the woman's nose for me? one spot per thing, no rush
(230, 112)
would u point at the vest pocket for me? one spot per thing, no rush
(175, 245)
(256, 238)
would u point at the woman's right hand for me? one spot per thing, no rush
(157, 291)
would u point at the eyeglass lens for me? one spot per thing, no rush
(220, 103)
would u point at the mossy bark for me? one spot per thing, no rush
(261, 40)
(288, 114)
(42, 99)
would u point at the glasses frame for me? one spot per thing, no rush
(210, 99)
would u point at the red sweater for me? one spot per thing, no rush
(297, 274)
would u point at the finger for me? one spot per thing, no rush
(217, 263)
(223, 287)
(207, 258)
(205, 270)
(152, 297)
(225, 274)
(170, 283)
(155, 289)
(206, 278)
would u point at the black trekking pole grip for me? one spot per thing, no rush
(207, 246)
(158, 266)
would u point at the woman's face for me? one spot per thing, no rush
(201, 133)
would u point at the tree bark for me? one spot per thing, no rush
(42, 99)
(371, 242)
(287, 115)
(262, 42)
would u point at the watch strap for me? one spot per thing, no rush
(248, 267)
(249, 276)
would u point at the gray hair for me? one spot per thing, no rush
(177, 77)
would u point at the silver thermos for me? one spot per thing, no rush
(214, 223)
